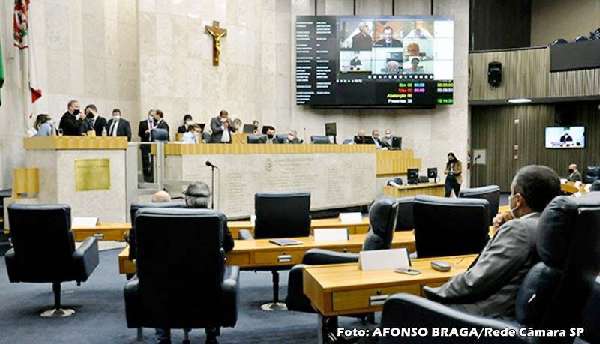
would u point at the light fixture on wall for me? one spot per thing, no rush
(519, 101)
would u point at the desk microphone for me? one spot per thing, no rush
(212, 182)
(210, 164)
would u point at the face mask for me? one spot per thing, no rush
(270, 136)
(188, 122)
(571, 170)
(512, 210)
(116, 117)
(89, 115)
(76, 112)
(151, 119)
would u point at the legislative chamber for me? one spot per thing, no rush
(327, 171)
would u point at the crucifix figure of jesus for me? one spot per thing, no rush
(217, 33)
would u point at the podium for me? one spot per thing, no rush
(87, 173)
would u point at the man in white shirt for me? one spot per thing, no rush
(221, 128)
(118, 126)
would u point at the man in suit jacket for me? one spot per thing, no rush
(388, 39)
(221, 128)
(144, 132)
(489, 287)
(70, 122)
(93, 121)
(159, 122)
(362, 40)
(118, 126)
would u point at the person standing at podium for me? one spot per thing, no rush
(118, 126)
(93, 121)
(453, 175)
(70, 123)
(221, 128)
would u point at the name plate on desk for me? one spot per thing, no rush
(384, 259)
(330, 234)
(350, 218)
(92, 174)
(84, 222)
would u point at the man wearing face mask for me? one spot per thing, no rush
(386, 141)
(574, 174)
(70, 123)
(118, 126)
(93, 121)
(221, 128)
(144, 130)
(489, 287)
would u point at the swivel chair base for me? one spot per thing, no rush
(274, 306)
(57, 313)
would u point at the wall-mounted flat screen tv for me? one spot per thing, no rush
(565, 137)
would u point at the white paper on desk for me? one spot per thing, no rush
(384, 259)
(84, 222)
(351, 218)
(330, 234)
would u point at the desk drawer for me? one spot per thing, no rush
(280, 257)
(365, 298)
(104, 234)
(239, 259)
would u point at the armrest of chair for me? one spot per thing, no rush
(86, 258)
(245, 234)
(296, 300)
(409, 311)
(11, 265)
(316, 256)
(230, 295)
(132, 303)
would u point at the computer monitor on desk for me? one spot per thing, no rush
(412, 176)
(432, 173)
(249, 128)
(257, 139)
(364, 140)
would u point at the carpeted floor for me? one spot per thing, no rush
(100, 314)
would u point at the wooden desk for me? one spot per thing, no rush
(344, 289)
(261, 253)
(104, 231)
(354, 228)
(430, 189)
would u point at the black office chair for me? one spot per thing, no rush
(321, 140)
(182, 281)
(491, 193)
(595, 186)
(405, 219)
(44, 250)
(592, 173)
(591, 317)
(450, 226)
(256, 139)
(133, 208)
(557, 293)
(281, 138)
(405, 311)
(279, 215)
(382, 219)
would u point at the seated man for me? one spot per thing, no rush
(196, 196)
(574, 174)
(489, 287)
(160, 197)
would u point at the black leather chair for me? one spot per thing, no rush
(450, 226)
(382, 218)
(159, 135)
(591, 317)
(405, 220)
(595, 186)
(405, 311)
(592, 173)
(44, 250)
(182, 281)
(491, 193)
(133, 208)
(256, 139)
(279, 215)
(558, 292)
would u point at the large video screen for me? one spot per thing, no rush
(565, 137)
(374, 61)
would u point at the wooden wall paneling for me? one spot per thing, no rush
(575, 83)
(525, 73)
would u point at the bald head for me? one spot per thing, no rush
(161, 197)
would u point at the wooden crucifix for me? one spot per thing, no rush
(217, 33)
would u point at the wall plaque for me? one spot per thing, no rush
(92, 174)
